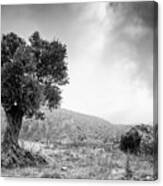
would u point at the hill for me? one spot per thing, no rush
(65, 126)
(78, 146)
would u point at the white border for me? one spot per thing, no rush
(38, 181)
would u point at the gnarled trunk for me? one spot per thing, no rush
(14, 123)
(12, 155)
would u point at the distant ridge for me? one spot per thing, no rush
(64, 124)
(65, 113)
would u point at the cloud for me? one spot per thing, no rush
(116, 65)
(132, 38)
(109, 48)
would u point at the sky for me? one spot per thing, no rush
(109, 54)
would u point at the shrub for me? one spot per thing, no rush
(139, 139)
(130, 142)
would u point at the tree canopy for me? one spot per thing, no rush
(31, 73)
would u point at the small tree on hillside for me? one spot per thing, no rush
(31, 74)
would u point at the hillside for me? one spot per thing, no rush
(78, 146)
(65, 126)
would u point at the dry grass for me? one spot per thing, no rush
(85, 163)
(78, 146)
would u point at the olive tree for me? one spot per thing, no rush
(31, 75)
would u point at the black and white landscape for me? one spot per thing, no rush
(79, 90)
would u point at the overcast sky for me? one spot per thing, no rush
(109, 49)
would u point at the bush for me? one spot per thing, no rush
(147, 142)
(139, 139)
(130, 142)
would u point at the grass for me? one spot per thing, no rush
(78, 146)
(86, 163)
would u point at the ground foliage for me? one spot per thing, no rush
(80, 147)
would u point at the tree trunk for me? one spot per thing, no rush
(12, 155)
(14, 123)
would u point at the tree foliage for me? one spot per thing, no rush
(31, 73)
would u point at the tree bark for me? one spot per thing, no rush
(14, 123)
(12, 155)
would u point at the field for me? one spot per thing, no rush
(78, 146)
